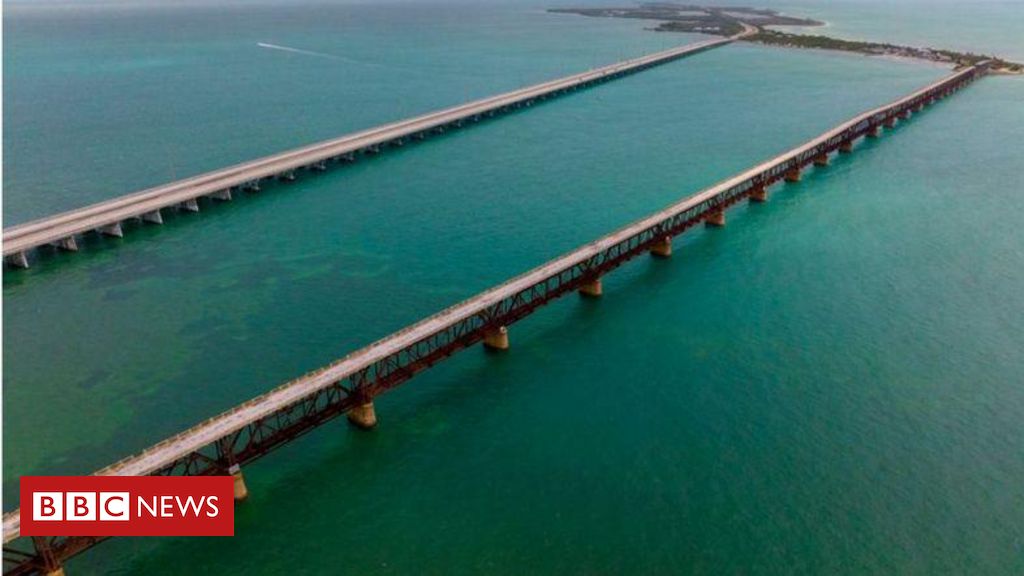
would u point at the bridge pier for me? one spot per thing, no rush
(241, 490)
(846, 147)
(320, 166)
(18, 260)
(68, 244)
(153, 217)
(821, 160)
(873, 132)
(112, 230)
(592, 289)
(288, 176)
(890, 122)
(222, 195)
(363, 416)
(793, 175)
(662, 248)
(759, 194)
(190, 205)
(715, 219)
(496, 338)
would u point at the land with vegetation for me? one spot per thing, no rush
(730, 20)
(720, 20)
(954, 58)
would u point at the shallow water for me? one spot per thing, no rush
(981, 26)
(829, 384)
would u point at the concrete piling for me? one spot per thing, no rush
(496, 338)
(18, 260)
(153, 217)
(715, 219)
(68, 244)
(241, 491)
(592, 289)
(363, 416)
(112, 230)
(662, 248)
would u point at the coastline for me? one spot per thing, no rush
(940, 55)
(890, 57)
(719, 21)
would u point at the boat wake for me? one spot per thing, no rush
(306, 52)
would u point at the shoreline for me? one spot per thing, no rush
(892, 57)
(884, 49)
(721, 21)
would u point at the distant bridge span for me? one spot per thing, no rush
(61, 230)
(223, 443)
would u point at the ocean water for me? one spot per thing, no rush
(991, 27)
(830, 384)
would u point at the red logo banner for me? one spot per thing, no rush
(127, 506)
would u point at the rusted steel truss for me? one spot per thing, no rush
(43, 555)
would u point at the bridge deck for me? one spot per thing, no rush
(23, 237)
(672, 220)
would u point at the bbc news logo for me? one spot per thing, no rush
(127, 506)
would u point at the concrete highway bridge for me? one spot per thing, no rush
(224, 443)
(107, 218)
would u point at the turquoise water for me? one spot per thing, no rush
(981, 26)
(139, 95)
(828, 385)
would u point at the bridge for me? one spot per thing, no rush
(106, 218)
(224, 443)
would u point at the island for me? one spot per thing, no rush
(730, 20)
(718, 20)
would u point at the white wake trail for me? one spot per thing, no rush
(306, 52)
